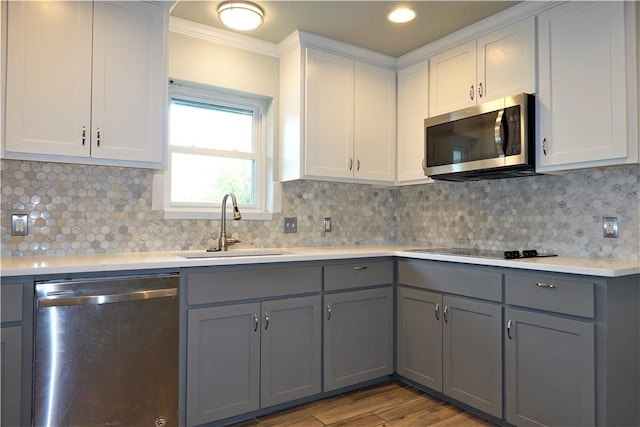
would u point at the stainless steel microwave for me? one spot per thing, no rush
(492, 140)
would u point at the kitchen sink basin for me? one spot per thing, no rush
(230, 253)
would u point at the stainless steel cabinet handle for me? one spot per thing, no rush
(545, 285)
(471, 92)
(437, 311)
(266, 320)
(360, 267)
(256, 322)
(480, 94)
(509, 323)
(350, 164)
(544, 146)
(98, 137)
(84, 134)
(445, 314)
(56, 301)
(358, 167)
(328, 312)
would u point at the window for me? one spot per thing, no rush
(216, 146)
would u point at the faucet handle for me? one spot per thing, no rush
(231, 240)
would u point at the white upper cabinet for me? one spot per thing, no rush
(499, 64)
(413, 108)
(375, 123)
(329, 115)
(86, 82)
(588, 89)
(338, 117)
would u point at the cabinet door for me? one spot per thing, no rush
(223, 362)
(10, 375)
(375, 123)
(583, 92)
(472, 353)
(452, 79)
(48, 97)
(413, 108)
(291, 349)
(420, 337)
(329, 115)
(549, 368)
(507, 61)
(129, 85)
(358, 337)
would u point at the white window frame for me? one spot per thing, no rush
(207, 95)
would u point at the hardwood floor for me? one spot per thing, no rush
(387, 405)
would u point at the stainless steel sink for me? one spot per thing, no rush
(230, 253)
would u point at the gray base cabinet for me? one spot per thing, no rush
(419, 337)
(11, 367)
(223, 362)
(290, 349)
(358, 337)
(16, 298)
(472, 353)
(248, 356)
(358, 322)
(253, 340)
(550, 370)
(452, 345)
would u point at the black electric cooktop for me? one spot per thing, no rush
(485, 253)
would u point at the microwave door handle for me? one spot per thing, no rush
(498, 134)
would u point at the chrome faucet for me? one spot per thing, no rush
(223, 240)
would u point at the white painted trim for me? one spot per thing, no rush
(205, 32)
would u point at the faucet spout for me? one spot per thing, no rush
(223, 240)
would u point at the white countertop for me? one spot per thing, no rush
(26, 266)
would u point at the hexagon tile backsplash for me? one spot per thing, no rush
(83, 209)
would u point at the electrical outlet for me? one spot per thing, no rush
(610, 226)
(326, 225)
(19, 225)
(291, 224)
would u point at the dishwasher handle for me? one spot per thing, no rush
(67, 300)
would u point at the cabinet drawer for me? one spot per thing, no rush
(232, 284)
(551, 293)
(11, 303)
(357, 275)
(473, 281)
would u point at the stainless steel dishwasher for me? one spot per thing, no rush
(106, 352)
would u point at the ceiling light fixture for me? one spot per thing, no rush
(240, 15)
(401, 15)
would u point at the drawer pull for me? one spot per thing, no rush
(360, 267)
(437, 311)
(509, 323)
(545, 285)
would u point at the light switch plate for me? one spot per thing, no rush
(19, 224)
(291, 224)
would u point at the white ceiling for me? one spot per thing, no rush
(360, 23)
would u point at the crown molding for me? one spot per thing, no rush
(228, 38)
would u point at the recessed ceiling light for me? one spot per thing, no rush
(240, 15)
(401, 15)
